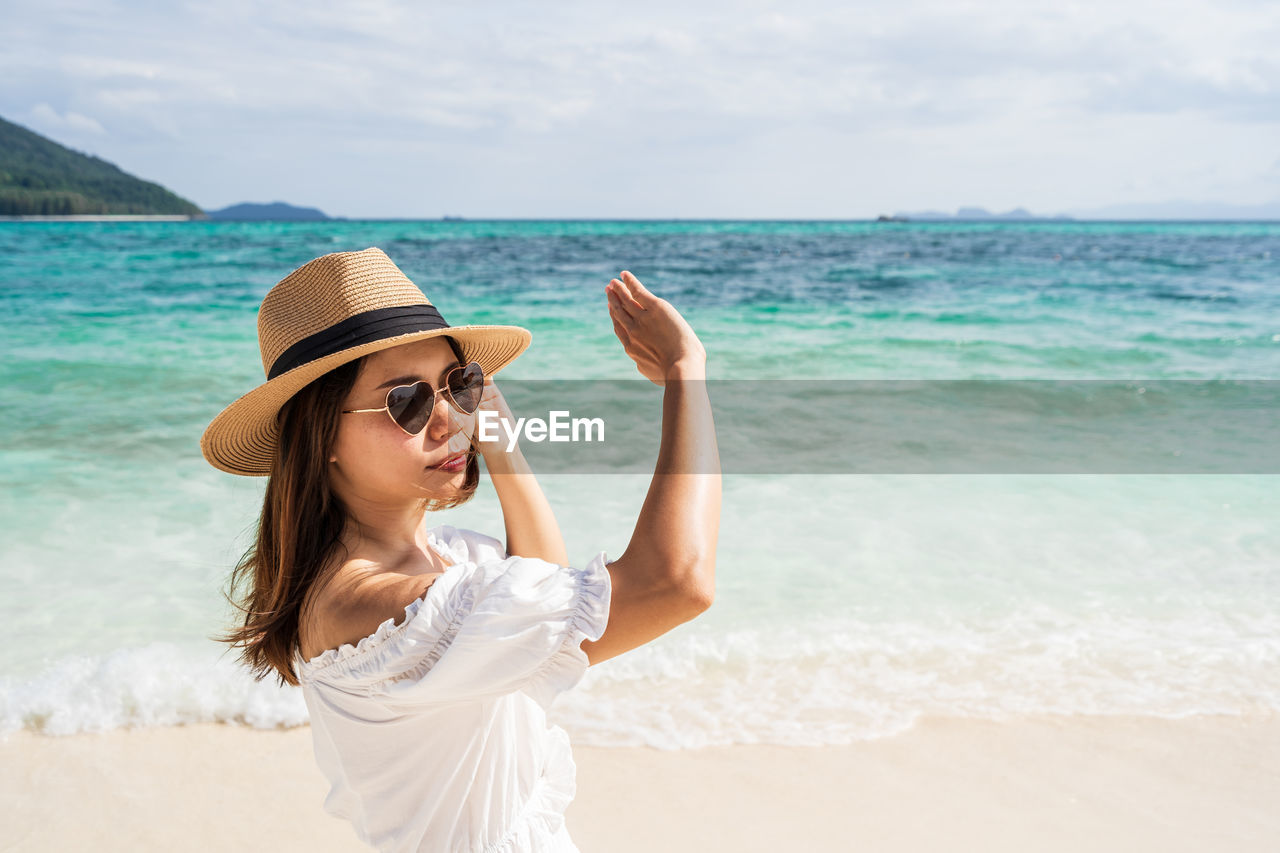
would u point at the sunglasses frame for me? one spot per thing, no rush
(434, 394)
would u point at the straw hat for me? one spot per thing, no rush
(324, 314)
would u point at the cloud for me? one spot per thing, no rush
(541, 67)
(1244, 94)
(625, 93)
(47, 118)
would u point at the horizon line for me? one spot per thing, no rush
(999, 220)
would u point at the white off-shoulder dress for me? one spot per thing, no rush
(433, 732)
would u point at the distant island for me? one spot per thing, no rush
(39, 177)
(971, 214)
(276, 211)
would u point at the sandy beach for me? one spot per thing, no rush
(1048, 784)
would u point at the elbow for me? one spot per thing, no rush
(698, 588)
(701, 599)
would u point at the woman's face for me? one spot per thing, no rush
(373, 458)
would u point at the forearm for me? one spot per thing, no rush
(680, 520)
(532, 529)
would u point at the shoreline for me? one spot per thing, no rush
(1044, 783)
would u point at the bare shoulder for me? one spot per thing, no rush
(355, 603)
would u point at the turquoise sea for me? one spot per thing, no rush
(848, 606)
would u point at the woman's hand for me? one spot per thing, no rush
(493, 401)
(659, 340)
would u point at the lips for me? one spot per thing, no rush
(452, 460)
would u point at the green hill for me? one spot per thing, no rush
(39, 177)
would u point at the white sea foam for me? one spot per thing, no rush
(839, 683)
(825, 684)
(159, 684)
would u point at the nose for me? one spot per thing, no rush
(439, 425)
(445, 420)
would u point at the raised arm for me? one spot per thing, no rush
(666, 576)
(532, 529)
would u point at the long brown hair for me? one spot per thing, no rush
(300, 529)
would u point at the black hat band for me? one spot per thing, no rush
(362, 328)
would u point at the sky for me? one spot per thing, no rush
(693, 109)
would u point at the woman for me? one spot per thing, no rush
(428, 656)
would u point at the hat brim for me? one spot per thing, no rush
(242, 438)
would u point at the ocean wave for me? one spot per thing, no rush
(828, 683)
(160, 684)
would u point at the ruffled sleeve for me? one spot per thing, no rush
(496, 627)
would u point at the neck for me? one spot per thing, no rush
(389, 533)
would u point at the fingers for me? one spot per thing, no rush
(634, 283)
(631, 291)
(621, 332)
(620, 309)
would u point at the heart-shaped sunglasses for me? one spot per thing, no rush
(410, 406)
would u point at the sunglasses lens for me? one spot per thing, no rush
(466, 387)
(411, 405)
